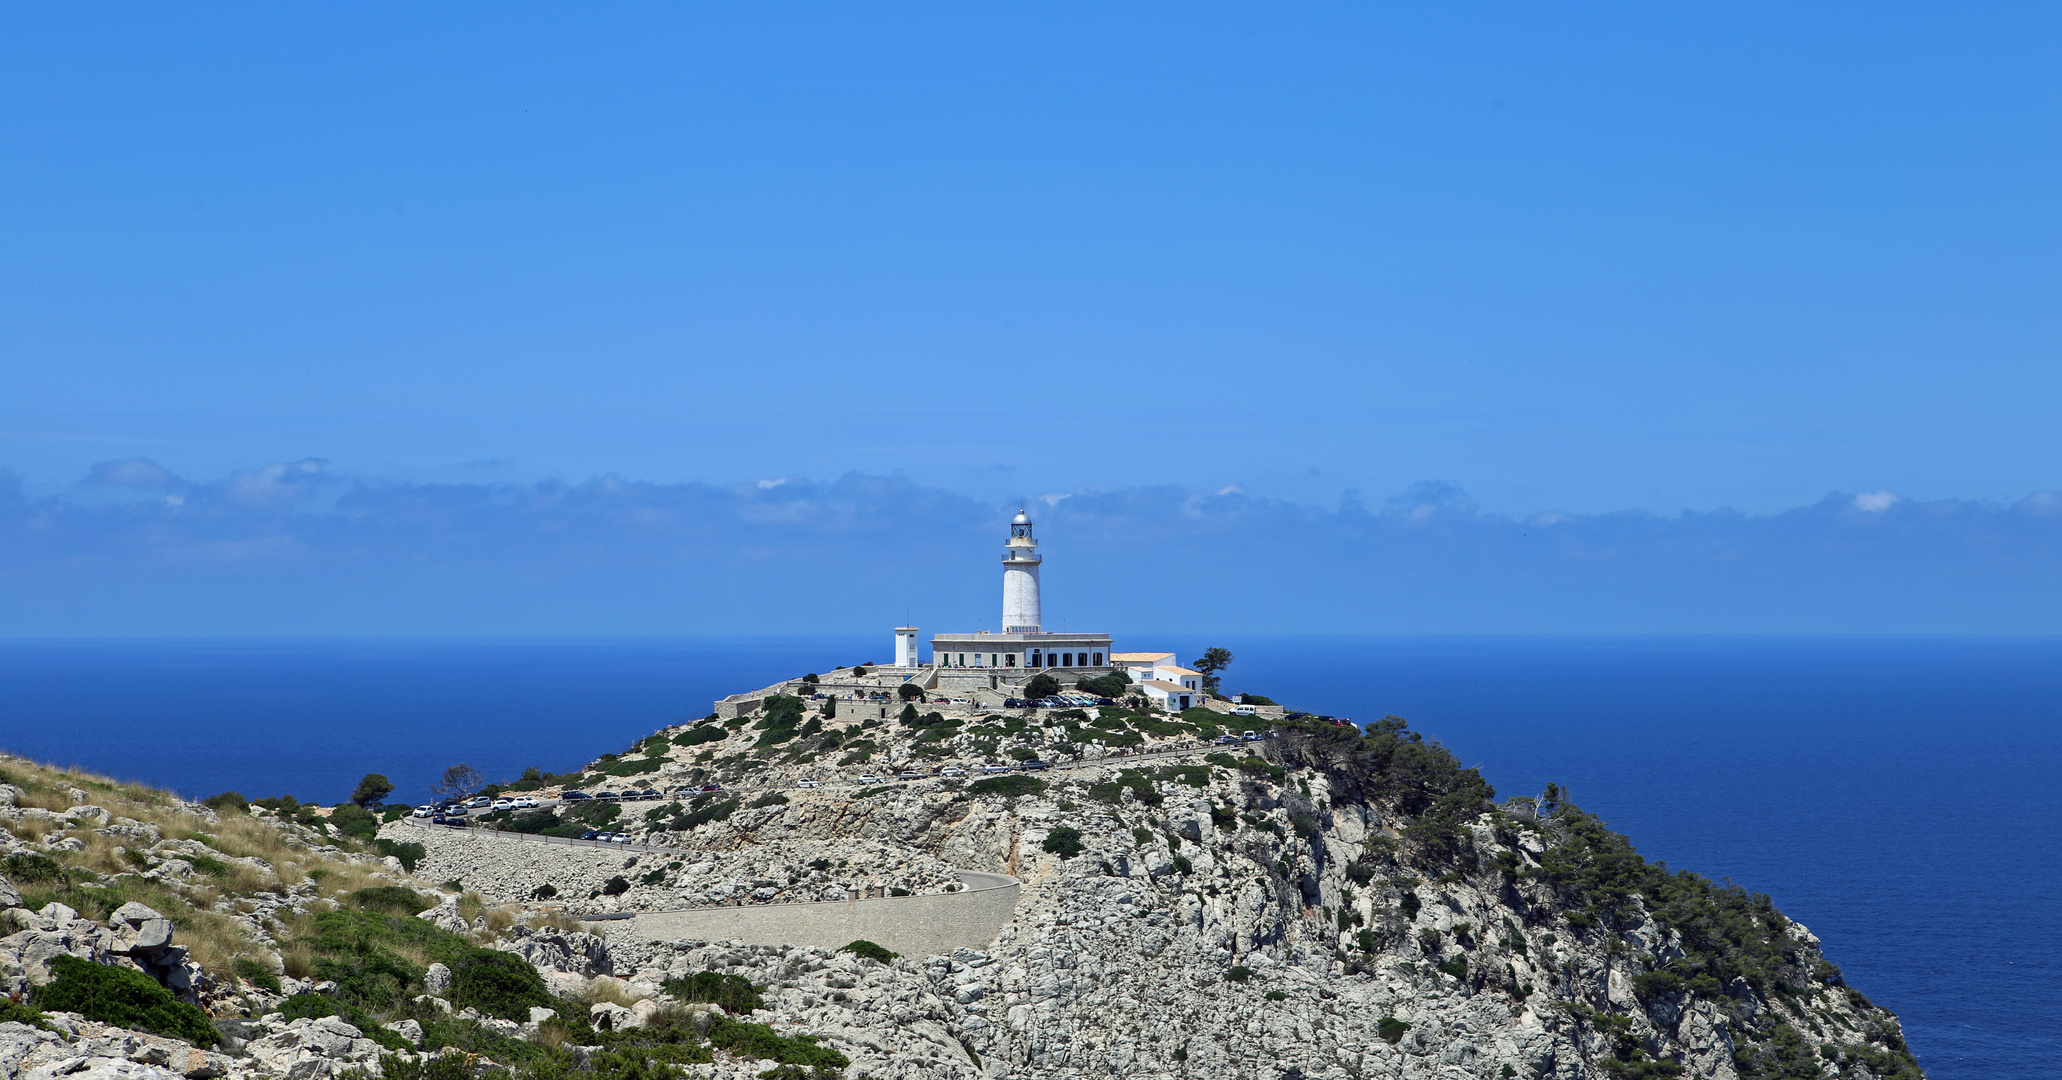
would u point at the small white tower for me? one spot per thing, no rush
(905, 646)
(1020, 578)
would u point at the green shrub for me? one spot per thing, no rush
(1360, 873)
(123, 997)
(1039, 686)
(257, 974)
(1456, 967)
(1112, 685)
(1183, 866)
(354, 821)
(616, 886)
(1410, 905)
(734, 994)
(1063, 841)
(1238, 973)
(714, 811)
(1012, 784)
(395, 899)
(24, 868)
(1277, 995)
(14, 1012)
(706, 733)
(1391, 1030)
(499, 984)
(870, 951)
(758, 1041)
(229, 802)
(772, 798)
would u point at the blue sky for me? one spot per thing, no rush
(1636, 268)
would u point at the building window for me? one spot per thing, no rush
(1098, 660)
(1010, 660)
(1066, 659)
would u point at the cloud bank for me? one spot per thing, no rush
(295, 548)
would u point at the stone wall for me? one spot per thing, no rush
(916, 926)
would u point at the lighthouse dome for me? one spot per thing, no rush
(1022, 518)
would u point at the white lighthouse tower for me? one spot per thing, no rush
(1020, 579)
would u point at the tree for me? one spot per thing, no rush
(910, 691)
(1041, 685)
(459, 781)
(1213, 661)
(372, 790)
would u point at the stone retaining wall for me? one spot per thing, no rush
(911, 925)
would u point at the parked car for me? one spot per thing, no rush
(1225, 740)
(589, 834)
(909, 774)
(503, 804)
(479, 800)
(712, 787)
(574, 796)
(809, 783)
(991, 770)
(650, 793)
(1250, 736)
(620, 838)
(1245, 710)
(1033, 765)
(422, 811)
(606, 837)
(869, 778)
(608, 795)
(961, 701)
(952, 772)
(526, 803)
(1014, 703)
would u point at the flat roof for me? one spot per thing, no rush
(1139, 655)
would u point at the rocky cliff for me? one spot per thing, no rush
(1327, 902)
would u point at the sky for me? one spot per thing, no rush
(678, 318)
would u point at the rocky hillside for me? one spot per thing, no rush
(1326, 903)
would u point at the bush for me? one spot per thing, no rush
(14, 1012)
(257, 974)
(773, 798)
(123, 997)
(734, 994)
(1391, 1030)
(616, 886)
(1063, 841)
(706, 733)
(1014, 784)
(1239, 973)
(227, 802)
(1112, 685)
(23, 868)
(758, 1041)
(355, 821)
(499, 984)
(870, 951)
(1041, 685)
(394, 899)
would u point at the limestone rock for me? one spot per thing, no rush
(437, 980)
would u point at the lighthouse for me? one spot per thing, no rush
(986, 660)
(1020, 578)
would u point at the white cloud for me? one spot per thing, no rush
(1874, 502)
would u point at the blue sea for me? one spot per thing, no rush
(1898, 795)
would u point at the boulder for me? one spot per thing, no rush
(410, 1030)
(10, 897)
(437, 980)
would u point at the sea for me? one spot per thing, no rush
(1898, 795)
